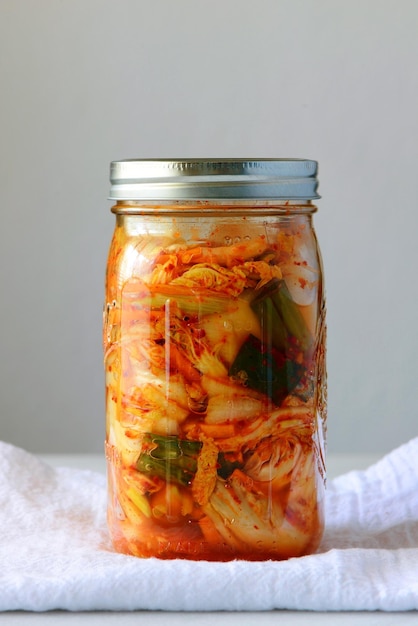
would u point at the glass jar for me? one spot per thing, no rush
(214, 344)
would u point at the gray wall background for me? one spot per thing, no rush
(84, 82)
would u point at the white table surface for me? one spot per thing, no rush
(336, 465)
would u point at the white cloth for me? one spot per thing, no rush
(55, 551)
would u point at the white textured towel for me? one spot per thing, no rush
(56, 554)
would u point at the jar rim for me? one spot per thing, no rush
(222, 179)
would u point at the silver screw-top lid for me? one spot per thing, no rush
(221, 179)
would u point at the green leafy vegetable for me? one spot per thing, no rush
(175, 460)
(266, 369)
(227, 467)
(273, 364)
(190, 301)
(170, 458)
(282, 322)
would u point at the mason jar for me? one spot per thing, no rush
(214, 352)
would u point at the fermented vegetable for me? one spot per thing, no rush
(214, 375)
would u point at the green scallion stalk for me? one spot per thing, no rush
(170, 458)
(281, 321)
(266, 369)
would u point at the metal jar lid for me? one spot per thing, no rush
(221, 179)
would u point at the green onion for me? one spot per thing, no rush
(170, 458)
(266, 369)
(281, 321)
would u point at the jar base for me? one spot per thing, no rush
(200, 550)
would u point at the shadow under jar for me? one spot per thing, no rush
(214, 350)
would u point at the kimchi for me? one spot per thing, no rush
(214, 342)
